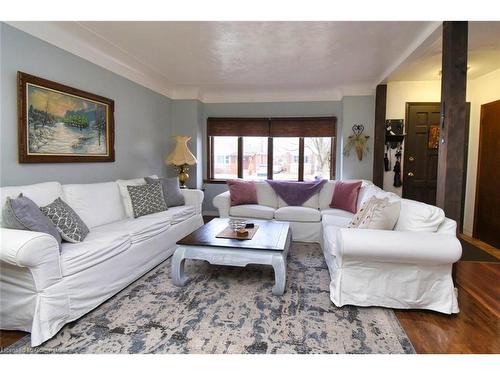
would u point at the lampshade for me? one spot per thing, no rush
(181, 154)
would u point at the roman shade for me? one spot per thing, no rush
(303, 127)
(237, 127)
(272, 127)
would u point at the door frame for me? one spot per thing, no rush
(407, 117)
(478, 170)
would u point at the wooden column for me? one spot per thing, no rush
(453, 135)
(379, 136)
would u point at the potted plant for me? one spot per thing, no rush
(358, 141)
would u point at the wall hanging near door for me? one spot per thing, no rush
(358, 141)
(61, 124)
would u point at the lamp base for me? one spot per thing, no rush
(183, 175)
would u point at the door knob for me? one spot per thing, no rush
(411, 158)
(410, 174)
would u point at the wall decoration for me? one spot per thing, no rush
(357, 141)
(433, 137)
(61, 124)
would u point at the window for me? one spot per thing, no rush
(255, 158)
(317, 155)
(286, 158)
(276, 148)
(225, 157)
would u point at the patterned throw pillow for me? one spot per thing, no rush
(147, 199)
(67, 221)
(376, 213)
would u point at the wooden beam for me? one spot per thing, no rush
(379, 136)
(453, 134)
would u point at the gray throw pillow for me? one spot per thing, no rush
(67, 221)
(171, 190)
(146, 199)
(22, 213)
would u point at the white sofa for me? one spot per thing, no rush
(408, 267)
(42, 289)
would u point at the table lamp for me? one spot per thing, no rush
(181, 158)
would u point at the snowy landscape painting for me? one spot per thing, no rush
(63, 124)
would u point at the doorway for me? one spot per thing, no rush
(486, 210)
(421, 151)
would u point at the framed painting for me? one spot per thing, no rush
(61, 124)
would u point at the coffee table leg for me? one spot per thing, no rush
(177, 272)
(279, 266)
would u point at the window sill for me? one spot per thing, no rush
(214, 181)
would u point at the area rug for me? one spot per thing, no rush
(230, 310)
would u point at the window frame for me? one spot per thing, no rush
(210, 147)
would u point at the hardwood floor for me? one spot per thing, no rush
(482, 245)
(476, 329)
(10, 337)
(481, 281)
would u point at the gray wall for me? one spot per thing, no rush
(142, 117)
(358, 110)
(187, 120)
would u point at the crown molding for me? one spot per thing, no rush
(82, 42)
(76, 39)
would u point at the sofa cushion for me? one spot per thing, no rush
(296, 213)
(296, 193)
(97, 204)
(338, 221)
(42, 194)
(176, 214)
(312, 202)
(419, 217)
(266, 196)
(255, 211)
(337, 212)
(325, 195)
(140, 229)
(97, 247)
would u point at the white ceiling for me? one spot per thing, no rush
(424, 64)
(243, 61)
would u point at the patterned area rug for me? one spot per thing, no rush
(230, 310)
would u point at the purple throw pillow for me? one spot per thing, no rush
(242, 192)
(345, 195)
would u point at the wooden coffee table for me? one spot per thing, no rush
(269, 246)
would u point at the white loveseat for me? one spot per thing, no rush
(42, 289)
(408, 267)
